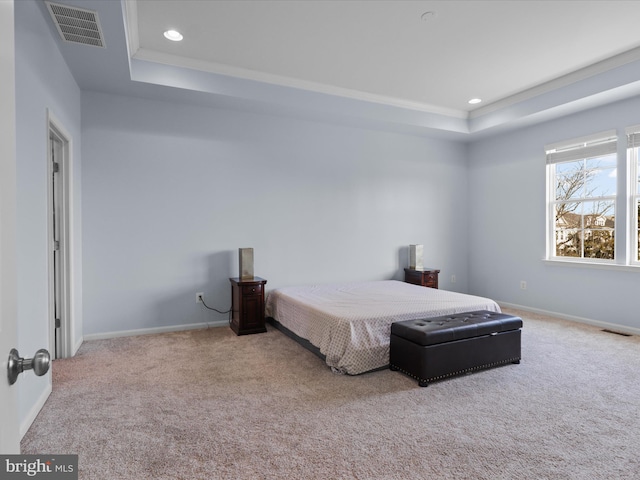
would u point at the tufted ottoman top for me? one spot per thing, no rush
(432, 331)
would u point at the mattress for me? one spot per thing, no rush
(350, 323)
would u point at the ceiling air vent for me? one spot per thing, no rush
(76, 25)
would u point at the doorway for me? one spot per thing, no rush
(59, 214)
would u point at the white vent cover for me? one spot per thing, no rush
(77, 25)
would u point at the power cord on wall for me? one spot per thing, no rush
(215, 309)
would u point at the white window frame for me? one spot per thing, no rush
(633, 156)
(591, 146)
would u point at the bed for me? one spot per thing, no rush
(349, 324)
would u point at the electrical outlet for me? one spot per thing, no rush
(453, 279)
(523, 285)
(199, 297)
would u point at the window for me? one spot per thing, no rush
(633, 158)
(582, 186)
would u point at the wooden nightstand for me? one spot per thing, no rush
(247, 305)
(427, 277)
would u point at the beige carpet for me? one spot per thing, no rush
(207, 404)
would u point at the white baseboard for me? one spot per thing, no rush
(33, 413)
(150, 331)
(616, 327)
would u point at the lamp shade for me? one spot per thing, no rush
(416, 257)
(245, 255)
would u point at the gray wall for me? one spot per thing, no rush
(43, 82)
(507, 193)
(171, 191)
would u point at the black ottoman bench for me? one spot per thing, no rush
(440, 347)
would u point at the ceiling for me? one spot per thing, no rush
(411, 63)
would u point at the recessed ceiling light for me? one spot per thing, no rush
(173, 35)
(473, 101)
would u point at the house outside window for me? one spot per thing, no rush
(581, 185)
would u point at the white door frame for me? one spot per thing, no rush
(9, 414)
(65, 175)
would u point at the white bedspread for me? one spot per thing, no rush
(351, 322)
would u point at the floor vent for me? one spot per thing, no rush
(76, 25)
(617, 333)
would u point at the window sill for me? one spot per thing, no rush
(597, 265)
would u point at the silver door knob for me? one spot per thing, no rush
(39, 364)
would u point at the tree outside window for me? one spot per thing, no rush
(584, 207)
